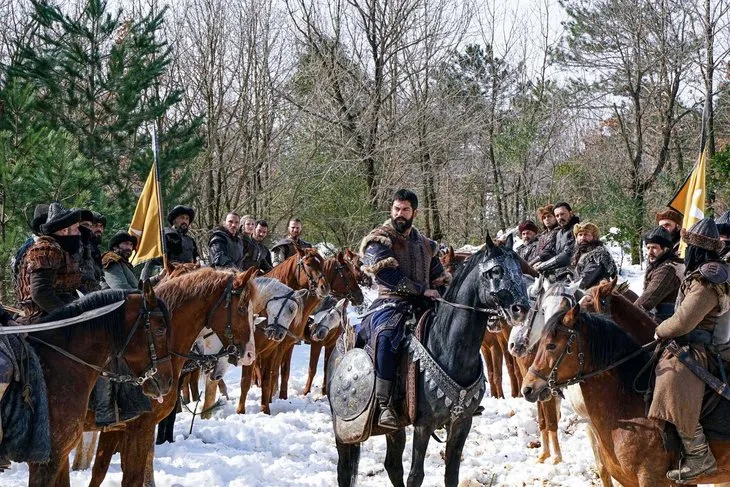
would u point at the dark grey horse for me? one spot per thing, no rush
(488, 286)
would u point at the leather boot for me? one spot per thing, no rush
(387, 417)
(697, 459)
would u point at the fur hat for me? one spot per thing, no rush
(723, 224)
(659, 236)
(120, 237)
(669, 214)
(586, 227)
(60, 218)
(180, 210)
(527, 225)
(84, 215)
(40, 215)
(99, 218)
(704, 234)
(544, 210)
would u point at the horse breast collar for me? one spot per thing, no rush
(456, 397)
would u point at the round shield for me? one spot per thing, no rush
(352, 384)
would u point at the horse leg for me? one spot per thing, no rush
(195, 384)
(246, 375)
(85, 450)
(285, 370)
(515, 384)
(185, 389)
(149, 469)
(223, 389)
(421, 435)
(108, 443)
(488, 363)
(267, 377)
(396, 443)
(211, 387)
(314, 350)
(544, 437)
(552, 417)
(327, 354)
(454, 446)
(348, 459)
(166, 428)
(138, 442)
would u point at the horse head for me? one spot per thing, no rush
(341, 275)
(362, 277)
(145, 349)
(326, 320)
(500, 285)
(238, 335)
(448, 260)
(310, 267)
(282, 305)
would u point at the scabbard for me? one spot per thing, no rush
(697, 369)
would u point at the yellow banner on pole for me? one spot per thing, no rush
(146, 221)
(690, 199)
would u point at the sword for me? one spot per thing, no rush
(52, 325)
(697, 369)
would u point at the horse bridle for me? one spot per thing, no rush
(149, 372)
(349, 295)
(233, 351)
(312, 281)
(552, 378)
(276, 324)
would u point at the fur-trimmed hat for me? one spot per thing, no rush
(659, 236)
(704, 234)
(84, 215)
(40, 215)
(99, 218)
(669, 214)
(120, 237)
(60, 218)
(527, 225)
(587, 227)
(180, 210)
(723, 224)
(544, 210)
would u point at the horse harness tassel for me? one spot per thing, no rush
(435, 378)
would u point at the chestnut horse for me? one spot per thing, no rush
(631, 444)
(219, 300)
(344, 276)
(137, 334)
(303, 270)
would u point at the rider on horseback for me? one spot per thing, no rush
(704, 297)
(663, 276)
(406, 266)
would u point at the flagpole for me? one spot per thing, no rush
(155, 162)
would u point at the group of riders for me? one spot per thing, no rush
(689, 296)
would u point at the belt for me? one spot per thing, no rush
(702, 337)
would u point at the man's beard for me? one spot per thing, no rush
(676, 235)
(86, 235)
(402, 224)
(96, 238)
(125, 254)
(69, 243)
(183, 228)
(550, 227)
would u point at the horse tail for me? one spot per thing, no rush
(347, 464)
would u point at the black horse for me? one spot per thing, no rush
(488, 287)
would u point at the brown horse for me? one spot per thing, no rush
(303, 270)
(344, 275)
(137, 334)
(631, 444)
(197, 299)
(494, 351)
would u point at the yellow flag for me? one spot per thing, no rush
(146, 222)
(690, 199)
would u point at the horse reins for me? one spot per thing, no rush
(312, 281)
(286, 297)
(232, 350)
(149, 372)
(551, 379)
(339, 268)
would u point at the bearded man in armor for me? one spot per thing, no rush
(227, 249)
(406, 268)
(285, 248)
(181, 247)
(671, 220)
(664, 274)
(49, 276)
(704, 297)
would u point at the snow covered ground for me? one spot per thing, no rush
(295, 445)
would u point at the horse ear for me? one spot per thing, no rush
(168, 266)
(571, 317)
(509, 242)
(489, 242)
(245, 276)
(341, 303)
(340, 257)
(300, 294)
(149, 294)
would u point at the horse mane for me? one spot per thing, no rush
(195, 284)
(638, 314)
(606, 344)
(112, 322)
